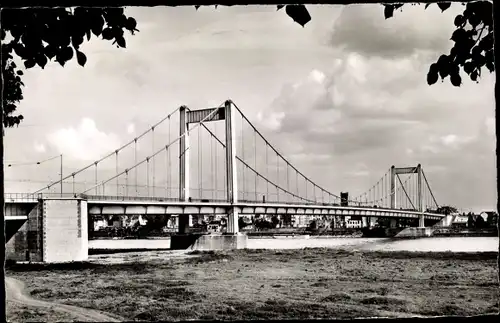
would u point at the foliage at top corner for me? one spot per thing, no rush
(473, 43)
(40, 35)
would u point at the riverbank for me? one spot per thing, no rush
(272, 284)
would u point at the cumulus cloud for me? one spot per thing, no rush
(85, 142)
(381, 112)
(131, 128)
(39, 147)
(363, 29)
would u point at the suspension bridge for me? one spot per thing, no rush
(237, 172)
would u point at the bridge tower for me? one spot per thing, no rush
(408, 170)
(187, 117)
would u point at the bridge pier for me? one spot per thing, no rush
(421, 221)
(55, 231)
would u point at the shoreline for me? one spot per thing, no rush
(379, 253)
(264, 235)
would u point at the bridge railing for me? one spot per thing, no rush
(21, 197)
(30, 197)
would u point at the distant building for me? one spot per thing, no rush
(490, 217)
(459, 221)
(100, 223)
(354, 223)
(214, 227)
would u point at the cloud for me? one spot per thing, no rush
(131, 128)
(85, 142)
(363, 29)
(40, 148)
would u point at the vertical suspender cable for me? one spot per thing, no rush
(278, 177)
(135, 163)
(255, 163)
(200, 143)
(166, 171)
(154, 159)
(267, 175)
(126, 183)
(216, 165)
(287, 179)
(212, 141)
(169, 175)
(116, 168)
(305, 180)
(95, 178)
(199, 164)
(243, 187)
(297, 182)
(147, 174)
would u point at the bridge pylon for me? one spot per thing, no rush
(408, 170)
(226, 114)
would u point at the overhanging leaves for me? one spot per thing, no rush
(40, 35)
(473, 44)
(298, 13)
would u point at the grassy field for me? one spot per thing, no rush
(270, 284)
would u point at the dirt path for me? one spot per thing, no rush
(16, 293)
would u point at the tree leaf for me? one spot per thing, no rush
(298, 13)
(81, 58)
(130, 24)
(50, 51)
(468, 67)
(443, 5)
(490, 65)
(96, 24)
(107, 33)
(29, 63)
(458, 35)
(459, 21)
(388, 11)
(455, 79)
(121, 41)
(473, 75)
(41, 60)
(474, 20)
(432, 75)
(20, 72)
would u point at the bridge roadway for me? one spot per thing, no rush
(98, 205)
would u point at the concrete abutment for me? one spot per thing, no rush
(56, 231)
(208, 241)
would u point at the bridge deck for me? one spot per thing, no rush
(244, 207)
(146, 205)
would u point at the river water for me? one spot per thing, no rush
(453, 244)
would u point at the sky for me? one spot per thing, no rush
(343, 98)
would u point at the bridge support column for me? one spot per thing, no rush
(393, 187)
(232, 182)
(184, 157)
(183, 221)
(184, 192)
(421, 221)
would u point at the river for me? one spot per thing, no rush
(453, 244)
